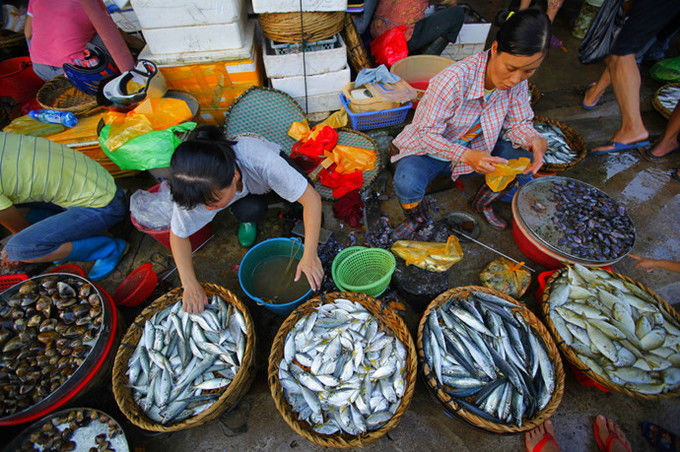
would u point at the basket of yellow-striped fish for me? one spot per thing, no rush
(342, 369)
(615, 330)
(566, 147)
(489, 360)
(175, 370)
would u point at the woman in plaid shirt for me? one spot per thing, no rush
(456, 126)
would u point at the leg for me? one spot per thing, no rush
(553, 7)
(249, 211)
(595, 92)
(541, 439)
(669, 140)
(445, 23)
(609, 436)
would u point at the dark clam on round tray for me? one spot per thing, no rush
(576, 220)
(49, 326)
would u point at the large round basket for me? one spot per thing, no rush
(450, 404)
(666, 108)
(574, 140)
(356, 51)
(286, 27)
(231, 395)
(60, 94)
(390, 322)
(571, 356)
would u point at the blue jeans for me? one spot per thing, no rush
(415, 172)
(74, 223)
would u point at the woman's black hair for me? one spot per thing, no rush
(201, 167)
(524, 32)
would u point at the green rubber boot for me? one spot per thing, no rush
(247, 233)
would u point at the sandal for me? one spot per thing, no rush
(547, 438)
(597, 102)
(660, 439)
(613, 436)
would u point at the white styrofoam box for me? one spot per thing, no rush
(316, 61)
(471, 39)
(244, 52)
(321, 102)
(289, 6)
(182, 13)
(316, 84)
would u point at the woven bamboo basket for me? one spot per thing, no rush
(389, 321)
(229, 398)
(535, 94)
(10, 38)
(356, 51)
(665, 112)
(574, 359)
(60, 94)
(450, 404)
(285, 27)
(575, 141)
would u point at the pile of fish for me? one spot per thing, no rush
(47, 328)
(616, 329)
(558, 151)
(66, 432)
(669, 96)
(488, 358)
(184, 362)
(593, 225)
(340, 372)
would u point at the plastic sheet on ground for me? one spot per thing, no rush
(152, 210)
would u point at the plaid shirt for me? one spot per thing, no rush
(451, 105)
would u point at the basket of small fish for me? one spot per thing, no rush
(175, 370)
(666, 98)
(566, 147)
(342, 370)
(489, 360)
(615, 330)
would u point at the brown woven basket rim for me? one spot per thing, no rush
(576, 143)
(450, 404)
(316, 25)
(236, 389)
(665, 112)
(57, 83)
(383, 315)
(535, 93)
(574, 360)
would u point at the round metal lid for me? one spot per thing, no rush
(536, 212)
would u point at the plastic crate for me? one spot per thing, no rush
(376, 119)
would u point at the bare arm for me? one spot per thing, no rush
(13, 220)
(652, 264)
(310, 264)
(194, 297)
(28, 28)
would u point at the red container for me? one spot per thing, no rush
(68, 268)
(17, 79)
(197, 239)
(8, 281)
(530, 249)
(137, 287)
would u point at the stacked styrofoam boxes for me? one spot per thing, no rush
(471, 38)
(326, 61)
(203, 47)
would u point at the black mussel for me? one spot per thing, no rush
(84, 290)
(49, 282)
(47, 325)
(90, 334)
(81, 351)
(65, 351)
(13, 345)
(47, 336)
(34, 321)
(68, 445)
(61, 342)
(67, 316)
(95, 311)
(103, 446)
(93, 299)
(17, 314)
(74, 331)
(81, 310)
(28, 287)
(4, 335)
(5, 311)
(84, 321)
(65, 303)
(93, 449)
(65, 290)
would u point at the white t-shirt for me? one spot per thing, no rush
(262, 170)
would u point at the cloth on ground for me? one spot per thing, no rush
(375, 75)
(350, 209)
(152, 210)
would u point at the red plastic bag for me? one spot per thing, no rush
(310, 153)
(390, 47)
(341, 184)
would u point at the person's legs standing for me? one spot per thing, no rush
(445, 23)
(669, 140)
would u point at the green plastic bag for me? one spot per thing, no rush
(151, 150)
(666, 71)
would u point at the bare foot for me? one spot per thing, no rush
(592, 96)
(663, 147)
(546, 432)
(607, 428)
(625, 137)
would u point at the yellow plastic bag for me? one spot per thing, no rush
(336, 120)
(301, 131)
(349, 159)
(504, 174)
(431, 256)
(506, 276)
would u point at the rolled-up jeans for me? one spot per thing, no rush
(73, 223)
(415, 172)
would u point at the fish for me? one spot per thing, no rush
(181, 356)
(361, 378)
(558, 151)
(491, 358)
(623, 334)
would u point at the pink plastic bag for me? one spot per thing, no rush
(390, 47)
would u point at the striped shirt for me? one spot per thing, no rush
(450, 107)
(38, 170)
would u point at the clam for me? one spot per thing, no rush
(34, 321)
(29, 299)
(5, 311)
(49, 282)
(81, 310)
(19, 324)
(84, 321)
(14, 301)
(47, 325)
(47, 336)
(67, 316)
(17, 314)
(95, 311)
(65, 290)
(12, 345)
(65, 303)
(85, 290)
(28, 287)
(4, 335)
(93, 299)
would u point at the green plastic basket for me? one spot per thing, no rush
(366, 271)
(339, 258)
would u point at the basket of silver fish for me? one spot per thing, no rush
(175, 370)
(78, 429)
(55, 334)
(342, 369)
(489, 360)
(666, 98)
(566, 147)
(615, 330)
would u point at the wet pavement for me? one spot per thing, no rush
(645, 189)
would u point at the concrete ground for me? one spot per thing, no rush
(651, 197)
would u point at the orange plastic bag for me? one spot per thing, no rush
(504, 174)
(506, 276)
(349, 159)
(431, 256)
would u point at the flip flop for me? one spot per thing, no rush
(607, 447)
(547, 437)
(597, 102)
(618, 147)
(660, 439)
(647, 154)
